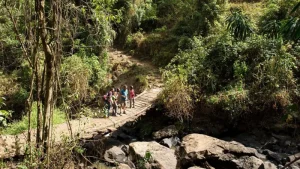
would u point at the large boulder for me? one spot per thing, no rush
(162, 157)
(115, 155)
(165, 132)
(201, 149)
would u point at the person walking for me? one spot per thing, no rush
(119, 100)
(114, 103)
(131, 96)
(108, 101)
(124, 97)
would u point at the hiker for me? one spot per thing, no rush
(119, 100)
(108, 100)
(131, 96)
(114, 103)
(124, 96)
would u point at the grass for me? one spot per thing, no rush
(22, 125)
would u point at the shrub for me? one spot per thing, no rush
(235, 78)
(75, 75)
(177, 99)
(141, 83)
(134, 41)
(8, 84)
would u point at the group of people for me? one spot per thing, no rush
(117, 98)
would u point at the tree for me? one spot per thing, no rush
(44, 29)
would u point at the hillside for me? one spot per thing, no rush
(219, 70)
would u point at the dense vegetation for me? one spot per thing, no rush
(246, 74)
(233, 63)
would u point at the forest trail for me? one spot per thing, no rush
(87, 127)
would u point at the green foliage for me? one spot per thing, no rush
(177, 99)
(75, 75)
(141, 164)
(272, 29)
(239, 24)
(234, 77)
(291, 29)
(280, 19)
(20, 96)
(142, 82)
(81, 74)
(22, 125)
(4, 114)
(173, 22)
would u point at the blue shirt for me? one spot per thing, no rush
(124, 93)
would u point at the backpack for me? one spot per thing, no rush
(106, 96)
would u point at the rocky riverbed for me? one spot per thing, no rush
(154, 147)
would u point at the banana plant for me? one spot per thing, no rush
(239, 24)
(291, 28)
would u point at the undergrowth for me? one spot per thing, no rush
(17, 127)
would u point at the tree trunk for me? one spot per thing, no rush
(49, 79)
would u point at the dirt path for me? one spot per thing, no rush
(126, 69)
(87, 127)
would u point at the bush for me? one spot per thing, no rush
(177, 99)
(141, 83)
(236, 78)
(75, 75)
(82, 74)
(134, 41)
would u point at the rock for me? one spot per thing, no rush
(165, 132)
(248, 139)
(123, 166)
(170, 142)
(196, 167)
(267, 165)
(248, 162)
(292, 158)
(162, 157)
(115, 154)
(274, 156)
(200, 148)
(125, 148)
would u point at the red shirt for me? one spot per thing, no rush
(131, 93)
